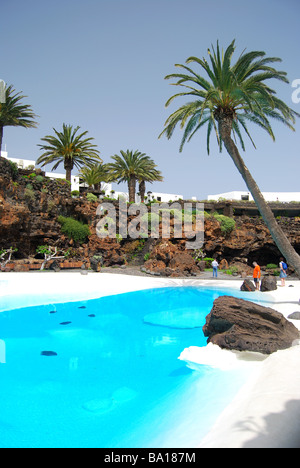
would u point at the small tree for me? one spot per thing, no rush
(50, 253)
(5, 252)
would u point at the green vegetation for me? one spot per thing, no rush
(227, 224)
(75, 230)
(131, 167)
(94, 175)
(70, 148)
(29, 194)
(13, 113)
(91, 197)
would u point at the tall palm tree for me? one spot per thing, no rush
(226, 99)
(152, 175)
(13, 113)
(94, 175)
(70, 148)
(130, 167)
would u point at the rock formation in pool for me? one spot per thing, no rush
(236, 324)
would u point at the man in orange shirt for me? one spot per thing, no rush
(256, 275)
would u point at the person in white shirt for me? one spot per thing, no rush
(215, 265)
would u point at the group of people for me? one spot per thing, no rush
(257, 272)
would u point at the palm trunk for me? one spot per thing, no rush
(142, 190)
(279, 237)
(68, 168)
(1, 139)
(131, 189)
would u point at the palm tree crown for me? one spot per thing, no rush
(70, 148)
(226, 99)
(13, 113)
(131, 167)
(237, 92)
(94, 175)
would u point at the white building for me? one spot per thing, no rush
(21, 163)
(149, 196)
(75, 183)
(30, 164)
(284, 197)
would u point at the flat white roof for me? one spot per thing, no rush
(269, 196)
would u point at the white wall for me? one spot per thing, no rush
(21, 163)
(269, 196)
(74, 179)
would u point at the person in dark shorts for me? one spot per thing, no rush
(256, 275)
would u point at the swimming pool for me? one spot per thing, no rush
(105, 372)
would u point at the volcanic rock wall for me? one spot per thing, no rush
(30, 207)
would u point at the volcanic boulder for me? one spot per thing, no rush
(236, 324)
(268, 283)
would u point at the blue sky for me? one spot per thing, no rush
(100, 64)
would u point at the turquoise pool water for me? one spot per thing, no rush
(105, 372)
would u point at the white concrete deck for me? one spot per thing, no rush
(265, 413)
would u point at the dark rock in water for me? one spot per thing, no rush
(236, 324)
(82, 307)
(92, 315)
(268, 283)
(248, 285)
(52, 312)
(48, 353)
(294, 316)
(65, 323)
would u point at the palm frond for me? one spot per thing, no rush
(236, 91)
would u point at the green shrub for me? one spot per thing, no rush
(227, 224)
(75, 230)
(271, 266)
(75, 193)
(232, 270)
(14, 169)
(208, 261)
(39, 178)
(91, 197)
(29, 194)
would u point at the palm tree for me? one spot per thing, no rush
(130, 167)
(152, 175)
(94, 175)
(70, 148)
(15, 114)
(230, 96)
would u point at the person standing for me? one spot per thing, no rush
(256, 275)
(283, 268)
(215, 266)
